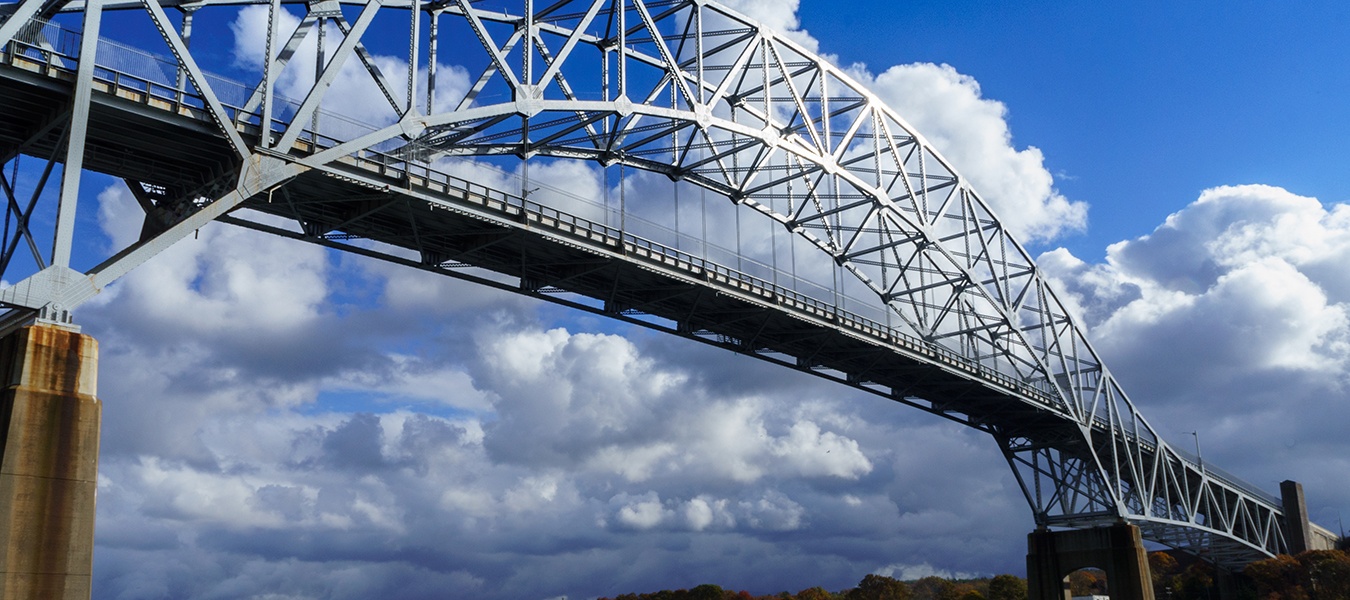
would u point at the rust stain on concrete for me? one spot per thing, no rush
(49, 434)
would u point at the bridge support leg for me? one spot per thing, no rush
(49, 432)
(1117, 549)
(1225, 582)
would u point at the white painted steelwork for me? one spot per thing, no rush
(701, 94)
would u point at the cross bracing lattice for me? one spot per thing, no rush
(684, 88)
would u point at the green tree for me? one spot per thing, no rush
(879, 587)
(1007, 587)
(706, 591)
(972, 594)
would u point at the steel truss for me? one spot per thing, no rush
(685, 88)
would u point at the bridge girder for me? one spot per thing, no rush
(685, 88)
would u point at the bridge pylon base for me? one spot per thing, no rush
(1116, 549)
(49, 434)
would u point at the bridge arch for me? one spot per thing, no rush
(702, 94)
(875, 196)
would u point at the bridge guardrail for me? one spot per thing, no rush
(666, 256)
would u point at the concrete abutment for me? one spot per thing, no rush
(49, 436)
(1116, 549)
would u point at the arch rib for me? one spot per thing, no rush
(753, 115)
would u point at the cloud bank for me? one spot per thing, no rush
(337, 443)
(290, 422)
(1232, 318)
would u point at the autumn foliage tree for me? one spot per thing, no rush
(872, 587)
(815, 593)
(1327, 573)
(1007, 587)
(1277, 578)
(1163, 568)
(1312, 575)
(934, 588)
(1087, 582)
(1196, 580)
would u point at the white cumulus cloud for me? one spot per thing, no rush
(1232, 319)
(972, 132)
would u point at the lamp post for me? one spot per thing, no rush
(1199, 457)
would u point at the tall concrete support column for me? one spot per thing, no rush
(1297, 529)
(49, 431)
(1117, 549)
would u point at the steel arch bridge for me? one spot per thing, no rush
(684, 88)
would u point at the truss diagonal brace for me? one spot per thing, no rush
(61, 288)
(22, 217)
(260, 174)
(369, 62)
(278, 62)
(316, 93)
(490, 47)
(194, 73)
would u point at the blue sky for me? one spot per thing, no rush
(286, 420)
(1137, 105)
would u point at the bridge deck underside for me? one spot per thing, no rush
(622, 285)
(128, 137)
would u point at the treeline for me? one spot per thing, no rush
(1314, 575)
(872, 587)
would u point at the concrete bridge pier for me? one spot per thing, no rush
(49, 433)
(1116, 549)
(1297, 528)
